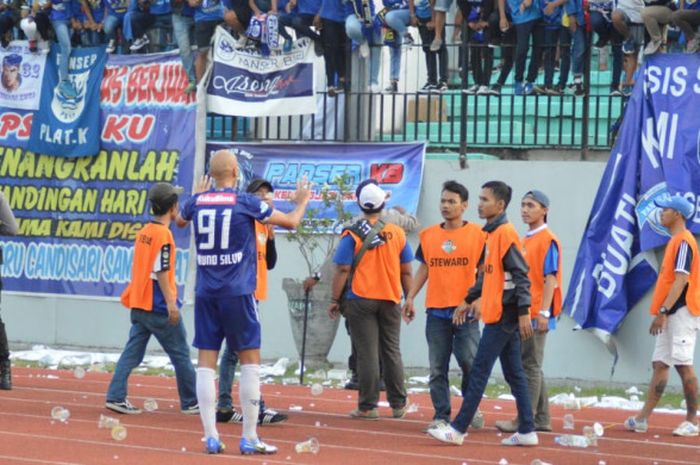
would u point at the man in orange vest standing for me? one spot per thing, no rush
(542, 251)
(501, 298)
(371, 299)
(676, 309)
(448, 254)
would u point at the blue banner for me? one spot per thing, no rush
(657, 153)
(67, 126)
(78, 216)
(397, 167)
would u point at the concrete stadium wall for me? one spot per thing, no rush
(570, 184)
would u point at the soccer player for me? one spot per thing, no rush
(152, 297)
(542, 251)
(676, 309)
(448, 254)
(501, 298)
(224, 230)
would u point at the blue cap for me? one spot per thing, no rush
(678, 203)
(12, 60)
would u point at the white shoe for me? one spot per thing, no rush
(519, 439)
(482, 90)
(140, 43)
(686, 429)
(364, 49)
(652, 47)
(447, 434)
(435, 424)
(375, 88)
(472, 90)
(638, 426)
(111, 46)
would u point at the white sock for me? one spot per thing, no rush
(249, 395)
(206, 397)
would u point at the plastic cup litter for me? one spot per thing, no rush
(60, 414)
(150, 405)
(568, 421)
(590, 435)
(79, 372)
(316, 389)
(119, 432)
(107, 422)
(310, 446)
(599, 429)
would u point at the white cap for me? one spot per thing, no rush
(371, 197)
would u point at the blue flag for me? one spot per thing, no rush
(70, 127)
(656, 154)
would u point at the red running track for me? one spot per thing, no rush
(29, 436)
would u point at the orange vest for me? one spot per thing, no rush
(378, 275)
(147, 249)
(261, 236)
(535, 250)
(497, 244)
(452, 256)
(667, 275)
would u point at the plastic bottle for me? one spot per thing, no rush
(571, 440)
(119, 433)
(59, 413)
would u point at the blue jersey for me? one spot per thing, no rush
(61, 10)
(224, 234)
(209, 10)
(97, 8)
(309, 7)
(8, 11)
(117, 7)
(333, 10)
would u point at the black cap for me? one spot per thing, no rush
(256, 183)
(539, 197)
(161, 194)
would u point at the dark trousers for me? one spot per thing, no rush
(481, 62)
(333, 36)
(142, 21)
(549, 49)
(523, 32)
(606, 32)
(352, 359)
(507, 42)
(431, 58)
(301, 24)
(498, 341)
(43, 25)
(375, 328)
(4, 346)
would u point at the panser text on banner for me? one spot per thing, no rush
(21, 76)
(78, 216)
(246, 83)
(70, 127)
(656, 154)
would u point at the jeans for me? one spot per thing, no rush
(445, 339)
(571, 44)
(227, 371)
(110, 25)
(355, 30)
(183, 27)
(606, 31)
(334, 39)
(172, 339)
(498, 341)
(398, 20)
(523, 31)
(431, 58)
(62, 31)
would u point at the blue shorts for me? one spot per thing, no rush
(232, 318)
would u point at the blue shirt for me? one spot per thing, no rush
(532, 13)
(309, 7)
(345, 253)
(117, 7)
(97, 8)
(8, 4)
(553, 20)
(333, 10)
(551, 266)
(209, 10)
(61, 10)
(158, 7)
(224, 235)
(423, 10)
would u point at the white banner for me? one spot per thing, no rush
(246, 83)
(21, 76)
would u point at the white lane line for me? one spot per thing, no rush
(24, 459)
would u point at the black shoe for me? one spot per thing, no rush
(228, 416)
(382, 386)
(124, 407)
(271, 417)
(5, 375)
(352, 384)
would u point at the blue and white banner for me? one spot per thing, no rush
(70, 127)
(244, 82)
(657, 153)
(22, 75)
(398, 168)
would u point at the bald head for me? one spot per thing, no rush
(223, 167)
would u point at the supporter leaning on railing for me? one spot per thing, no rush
(116, 9)
(656, 14)
(601, 24)
(627, 20)
(331, 22)
(478, 32)
(426, 29)
(688, 20)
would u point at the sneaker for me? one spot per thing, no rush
(627, 91)
(482, 90)
(427, 88)
(553, 91)
(576, 88)
(191, 410)
(528, 88)
(393, 87)
(507, 426)
(228, 416)
(399, 412)
(652, 47)
(332, 92)
(352, 384)
(375, 88)
(408, 39)
(686, 429)
(139, 43)
(539, 90)
(191, 87)
(256, 447)
(371, 414)
(628, 47)
(241, 42)
(214, 446)
(270, 417)
(495, 90)
(124, 407)
(439, 423)
(435, 45)
(518, 90)
(32, 46)
(111, 46)
(520, 439)
(616, 93)
(364, 49)
(447, 434)
(478, 420)
(442, 86)
(472, 90)
(638, 426)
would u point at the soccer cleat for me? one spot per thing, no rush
(228, 416)
(520, 439)
(191, 410)
(447, 434)
(638, 426)
(124, 407)
(371, 414)
(270, 417)
(214, 446)
(686, 429)
(256, 447)
(478, 420)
